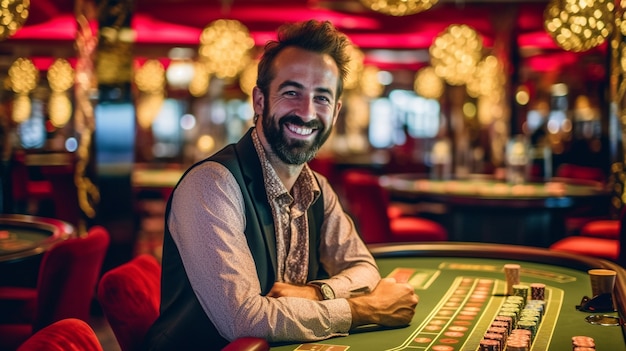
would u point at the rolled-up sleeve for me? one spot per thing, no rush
(207, 223)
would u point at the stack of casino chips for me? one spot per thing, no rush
(516, 324)
(583, 343)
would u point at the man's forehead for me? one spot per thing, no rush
(299, 65)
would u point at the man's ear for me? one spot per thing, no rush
(258, 101)
(337, 109)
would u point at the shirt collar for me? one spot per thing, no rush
(306, 184)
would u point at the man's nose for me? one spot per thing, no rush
(306, 109)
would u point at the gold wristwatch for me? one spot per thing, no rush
(325, 289)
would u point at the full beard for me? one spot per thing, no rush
(293, 152)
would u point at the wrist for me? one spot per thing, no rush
(361, 312)
(324, 291)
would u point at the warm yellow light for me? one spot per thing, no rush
(13, 14)
(59, 109)
(60, 75)
(522, 97)
(23, 76)
(205, 143)
(579, 25)
(489, 79)
(21, 108)
(148, 107)
(399, 7)
(455, 53)
(427, 84)
(150, 78)
(224, 47)
(60, 78)
(469, 110)
(369, 83)
(199, 84)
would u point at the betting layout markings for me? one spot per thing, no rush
(445, 327)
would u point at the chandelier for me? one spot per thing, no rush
(13, 14)
(428, 84)
(455, 54)
(150, 81)
(579, 25)
(399, 7)
(24, 77)
(224, 47)
(60, 78)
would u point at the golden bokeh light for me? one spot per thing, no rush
(60, 78)
(24, 77)
(579, 25)
(399, 7)
(13, 14)
(455, 54)
(428, 84)
(224, 47)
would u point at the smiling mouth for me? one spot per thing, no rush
(303, 131)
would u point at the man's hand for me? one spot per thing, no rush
(389, 304)
(286, 289)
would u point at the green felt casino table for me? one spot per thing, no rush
(462, 287)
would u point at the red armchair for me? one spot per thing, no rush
(369, 204)
(602, 238)
(68, 275)
(130, 296)
(68, 334)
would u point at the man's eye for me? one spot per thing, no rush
(323, 98)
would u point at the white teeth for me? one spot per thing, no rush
(301, 131)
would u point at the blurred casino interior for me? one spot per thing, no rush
(105, 103)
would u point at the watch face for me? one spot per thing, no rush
(327, 292)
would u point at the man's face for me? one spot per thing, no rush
(301, 107)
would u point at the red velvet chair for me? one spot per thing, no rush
(68, 334)
(66, 285)
(368, 203)
(604, 243)
(601, 228)
(130, 296)
(576, 221)
(572, 171)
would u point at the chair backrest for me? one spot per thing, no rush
(572, 171)
(367, 203)
(130, 295)
(68, 277)
(68, 334)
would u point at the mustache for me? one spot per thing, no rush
(296, 120)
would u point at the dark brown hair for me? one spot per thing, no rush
(312, 35)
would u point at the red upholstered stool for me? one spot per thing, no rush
(607, 228)
(405, 229)
(589, 246)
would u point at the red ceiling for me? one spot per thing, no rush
(179, 22)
